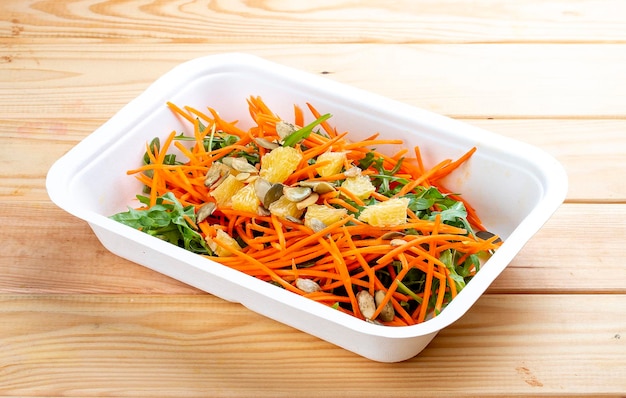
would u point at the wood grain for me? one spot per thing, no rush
(161, 346)
(550, 263)
(591, 151)
(405, 21)
(79, 79)
(76, 262)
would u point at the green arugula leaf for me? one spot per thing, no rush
(447, 257)
(201, 126)
(385, 181)
(298, 135)
(455, 215)
(418, 204)
(472, 261)
(165, 220)
(153, 148)
(405, 289)
(367, 161)
(452, 213)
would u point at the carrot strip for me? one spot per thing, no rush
(278, 227)
(298, 116)
(304, 171)
(262, 266)
(321, 148)
(352, 196)
(423, 178)
(332, 248)
(444, 171)
(342, 203)
(429, 277)
(180, 112)
(361, 144)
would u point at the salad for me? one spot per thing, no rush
(301, 206)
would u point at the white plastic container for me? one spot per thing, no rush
(514, 187)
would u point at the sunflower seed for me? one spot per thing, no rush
(262, 211)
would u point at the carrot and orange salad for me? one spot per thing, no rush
(304, 208)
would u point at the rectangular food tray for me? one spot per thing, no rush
(514, 187)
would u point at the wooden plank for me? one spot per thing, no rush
(407, 21)
(161, 346)
(73, 261)
(29, 147)
(550, 262)
(591, 151)
(79, 79)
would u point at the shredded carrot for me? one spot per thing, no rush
(352, 196)
(347, 255)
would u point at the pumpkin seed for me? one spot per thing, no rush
(293, 219)
(283, 129)
(392, 235)
(242, 176)
(366, 303)
(273, 194)
(487, 235)
(387, 313)
(263, 143)
(204, 211)
(216, 172)
(311, 199)
(242, 165)
(316, 225)
(297, 194)
(397, 242)
(261, 186)
(320, 187)
(308, 285)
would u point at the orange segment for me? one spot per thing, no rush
(279, 164)
(386, 214)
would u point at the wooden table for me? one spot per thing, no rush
(76, 320)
